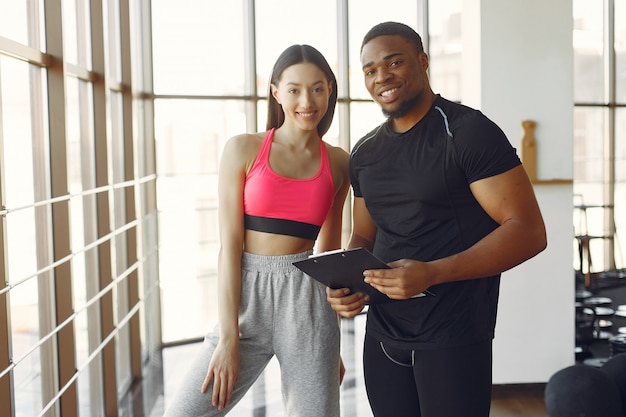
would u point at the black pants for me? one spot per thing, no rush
(434, 383)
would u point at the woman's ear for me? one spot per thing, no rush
(274, 91)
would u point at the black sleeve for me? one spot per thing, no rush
(482, 148)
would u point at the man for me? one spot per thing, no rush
(442, 196)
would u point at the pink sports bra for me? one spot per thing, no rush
(296, 207)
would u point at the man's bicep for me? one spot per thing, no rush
(507, 196)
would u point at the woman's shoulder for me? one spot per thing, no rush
(337, 154)
(339, 163)
(337, 151)
(245, 144)
(246, 139)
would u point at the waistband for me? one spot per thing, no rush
(281, 226)
(273, 263)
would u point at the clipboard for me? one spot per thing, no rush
(343, 268)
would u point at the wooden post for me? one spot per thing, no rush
(529, 149)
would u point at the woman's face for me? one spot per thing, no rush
(303, 92)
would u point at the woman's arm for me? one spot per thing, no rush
(232, 173)
(363, 235)
(330, 234)
(224, 366)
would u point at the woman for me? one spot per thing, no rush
(281, 192)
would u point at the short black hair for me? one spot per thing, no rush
(394, 29)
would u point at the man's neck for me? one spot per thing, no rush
(404, 123)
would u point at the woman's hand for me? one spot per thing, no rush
(223, 371)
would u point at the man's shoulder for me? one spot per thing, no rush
(368, 138)
(454, 108)
(458, 114)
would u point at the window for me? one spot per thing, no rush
(78, 247)
(599, 163)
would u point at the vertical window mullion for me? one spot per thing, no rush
(250, 83)
(43, 218)
(343, 105)
(6, 381)
(422, 26)
(609, 148)
(60, 209)
(103, 205)
(130, 175)
(147, 189)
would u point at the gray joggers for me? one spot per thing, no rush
(283, 312)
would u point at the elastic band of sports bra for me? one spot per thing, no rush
(281, 226)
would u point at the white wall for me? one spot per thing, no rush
(518, 65)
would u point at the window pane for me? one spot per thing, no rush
(313, 23)
(26, 331)
(620, 145)
(76, 42)
(116, 134)
(589, 188)
(188, 255)
(22, 251)
(122, 351)
(589, 128)
(79, 129)
(190, 135)
(28, 401)
(143, 139)
(14, 21)
(112, 23)
(620, 226)
(588, 52)
(362, 16)
(262, 115)
(140, 54)
(363, 118)
(90, 396)
(24, 317)
(620, 188)
(197, 49)
(17, 120)
(445, 47)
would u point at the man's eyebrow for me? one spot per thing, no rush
(385, 58)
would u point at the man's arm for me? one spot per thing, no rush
(363, 227)
(510, 200)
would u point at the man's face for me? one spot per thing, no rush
(395, 74)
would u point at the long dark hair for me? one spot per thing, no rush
(297, 54)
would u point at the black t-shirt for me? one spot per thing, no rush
(416, 188)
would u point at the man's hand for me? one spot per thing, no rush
(342, 370)
(406, 278)
(345, 304)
